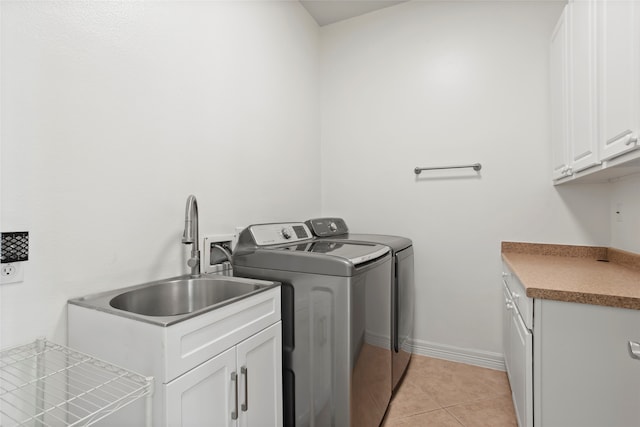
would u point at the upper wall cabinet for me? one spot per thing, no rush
(559, 108)
(595, 91)
(619, 76)
(581, 60)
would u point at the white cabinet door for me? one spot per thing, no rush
(558, 97)
(506, 328)
(521, 378)
(582, 85)
(619, 76)
(204, 396)
(518, 346)
(242, 386)
(259, 361)
(585, 374)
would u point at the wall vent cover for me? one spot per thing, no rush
(15, 246)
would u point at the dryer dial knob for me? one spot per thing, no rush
(286, 233)
(333, 227)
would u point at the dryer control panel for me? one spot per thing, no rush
(273, 234)
(327, 227)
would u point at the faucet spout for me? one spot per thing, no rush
(190, 234)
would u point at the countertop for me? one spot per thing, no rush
(581, 274)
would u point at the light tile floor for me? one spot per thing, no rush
(439, 393)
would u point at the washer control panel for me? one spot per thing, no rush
(273, 234)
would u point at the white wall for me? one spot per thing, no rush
(440, 83)
(114, 112)
(625, 225)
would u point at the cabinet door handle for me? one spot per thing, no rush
(244, 371)
(634, 350)
(234, 380)
(632, 141)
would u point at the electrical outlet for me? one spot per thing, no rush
(619, 215)
(11, 273)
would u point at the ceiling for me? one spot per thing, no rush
(327, 12)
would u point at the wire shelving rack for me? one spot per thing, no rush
(43, 384)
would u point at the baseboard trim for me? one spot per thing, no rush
(484, 359)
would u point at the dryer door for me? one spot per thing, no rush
(403, 298)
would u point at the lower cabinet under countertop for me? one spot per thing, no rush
(577, 369)
(584, 375)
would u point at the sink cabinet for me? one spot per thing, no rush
(245, 380)
(193, 361)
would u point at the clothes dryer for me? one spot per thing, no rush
(402, 284)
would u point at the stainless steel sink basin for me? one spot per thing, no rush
(169, 301)
(181, 296)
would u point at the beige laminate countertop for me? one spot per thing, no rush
(575, 274)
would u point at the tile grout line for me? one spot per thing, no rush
(468, 409)
(488, 397)
(413, 414)
(454, 417)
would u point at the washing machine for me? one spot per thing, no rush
(402, 284)
(336, 320)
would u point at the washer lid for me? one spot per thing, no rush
(290, 247)
(396, 243)
(355, 252)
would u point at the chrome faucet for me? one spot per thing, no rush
(190, 235)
